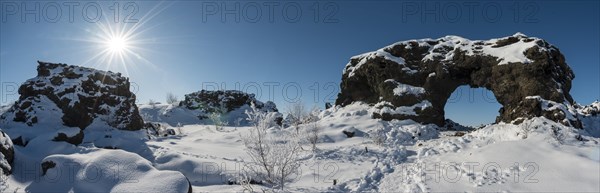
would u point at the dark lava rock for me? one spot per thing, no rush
(75, 139)
(223, 100)
(328, 105)
(7, 153)
(82, 94)
(459, 134)
(454, 126)
(348, 134)
(46, 166)
(226, 101)
(352, 132)
(414, 79)
(20, 141)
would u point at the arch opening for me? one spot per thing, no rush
(472, 107)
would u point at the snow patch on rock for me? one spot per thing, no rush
(507, 50)
(405, 89)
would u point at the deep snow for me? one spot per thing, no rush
(537, 155)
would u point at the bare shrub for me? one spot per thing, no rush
(312, 132)
(217, 118)
(296, 114)
(274, 159)
(378, 136)
(171, 98)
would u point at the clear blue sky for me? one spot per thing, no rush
(182, 46)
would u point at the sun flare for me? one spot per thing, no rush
(121, 46)
(117, 47)
(117, 44)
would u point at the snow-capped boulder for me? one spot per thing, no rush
(105, 171)
(7, 153)
(413, 79)
(79, 95)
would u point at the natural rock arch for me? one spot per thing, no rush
(473, 107)
(413, 79)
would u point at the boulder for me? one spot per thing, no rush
(74, 138)
(348, 134)
(81, 94)
(47, 165)
(413, 79)
(20, 141)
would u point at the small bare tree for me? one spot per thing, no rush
(171, 98)
(274, 158)
(296, 114)
(526, 128)
(179, 128)
(312, 115)
(285, 155)
(217, 119)
(312, 132)
(152, 103)
(378, 136)
(238, 122)
(245, 180)
(258, 145)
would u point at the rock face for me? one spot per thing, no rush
(7, 153)
(82, 94)
(413, 79)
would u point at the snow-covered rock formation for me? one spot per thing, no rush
(75, 97)
(413, 79)
(77, 129)
(197, 108)
(590, 118)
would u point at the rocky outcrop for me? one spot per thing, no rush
(454, 126)
(413, 79)
(82, 94)
(224, 100)
(230, 102)
(7, 153)
(590, 118)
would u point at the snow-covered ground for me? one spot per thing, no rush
(537, 155)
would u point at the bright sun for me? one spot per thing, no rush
(120, 43)
(117, 44)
